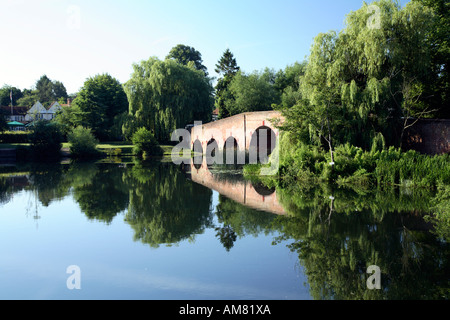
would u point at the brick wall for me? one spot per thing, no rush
(430, 136)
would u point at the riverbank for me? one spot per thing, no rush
(112, 149)
(353, 166)
(391, 171)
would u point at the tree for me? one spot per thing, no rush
(252, 92)
(59, 91)
(28, 99)
(318, 111)
(44, 90)
(227, 68)
(46, 140)
(184, 54)
(83, 143)
(227, 64)
(5, 95)
(437, 87)
(287, 83)
(289, 77)
(145, 144)
(100, 100)
(165, 96)
(3, 122)
(365, 80)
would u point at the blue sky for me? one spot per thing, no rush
(70, 41)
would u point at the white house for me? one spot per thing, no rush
(38, 112)
(53, 110)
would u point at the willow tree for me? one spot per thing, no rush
(165, 95)
(365, 80)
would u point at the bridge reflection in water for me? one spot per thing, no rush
(235, 188)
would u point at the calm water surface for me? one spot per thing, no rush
(158, 231)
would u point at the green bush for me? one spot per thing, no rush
(83, 143)
(46, 140)
(379, 167)
(145, 144)
(441, 212)
(23, 153)
(15, 137)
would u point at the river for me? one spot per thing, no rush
(158, 231)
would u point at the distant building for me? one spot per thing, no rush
(215, 114)
(39, 112)
(14, 113)
(26, 115)
(53, 110)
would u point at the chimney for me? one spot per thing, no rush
(69, 101)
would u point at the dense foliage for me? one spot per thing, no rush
(366, 79)
(238, 91)
(145, 144)
(227, 68)
(436, 90)
(83, 144)
(100, 103)
(184, 54)
(376, 168)
(252, 92)
(46, 140)
(165, 96)
(45, 91)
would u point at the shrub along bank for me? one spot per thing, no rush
(379, 167)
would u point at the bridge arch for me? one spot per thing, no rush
(231, 143)
(262, 144)
(263, 190)
(246, 128)
(232, 152)
(212, 148)
(197, 147)
(212, 152)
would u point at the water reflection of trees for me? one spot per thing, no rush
(158, 202)
(164, 207)
(160, 205)
(238, 220)
(101, 194)
(336, 233)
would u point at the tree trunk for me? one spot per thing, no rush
(331, 149)
(329, 140)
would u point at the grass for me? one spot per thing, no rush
(125, 149)
(12, 145)
(113, 148)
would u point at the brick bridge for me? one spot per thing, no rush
(240, 132)
(241, 191)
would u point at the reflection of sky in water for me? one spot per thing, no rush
(34, 255)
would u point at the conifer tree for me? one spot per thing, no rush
(227, 68)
